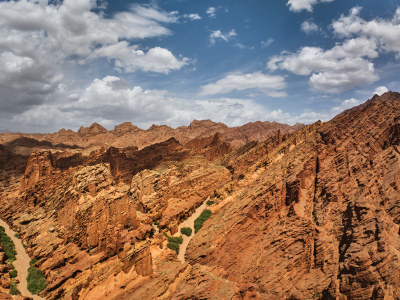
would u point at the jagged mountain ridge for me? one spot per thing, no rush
(311, 214)
(126, 134)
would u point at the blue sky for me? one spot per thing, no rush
(74, 62)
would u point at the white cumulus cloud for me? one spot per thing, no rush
(340, 68)
(268, 84)
(309, 27)
(381, 90)
(218, 34)
(211, 12)
(111, 100)
(192, 17)
(386, 32)
(299, 5)
(130, 58)
(40, 40)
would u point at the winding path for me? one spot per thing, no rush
(21, 263)
(189, 222)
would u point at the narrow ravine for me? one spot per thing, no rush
(189, 222)
(21, 263)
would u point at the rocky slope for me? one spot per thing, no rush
(310, 214)
(321, 218)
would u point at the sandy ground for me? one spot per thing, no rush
(21, 263)
(189, 222)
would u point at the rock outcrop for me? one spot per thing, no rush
(306, 214)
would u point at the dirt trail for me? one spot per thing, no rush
(21, 263)
(189, 222)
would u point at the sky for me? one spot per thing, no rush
(66, 64)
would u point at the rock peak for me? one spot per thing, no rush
(126, 127)
(93, 129)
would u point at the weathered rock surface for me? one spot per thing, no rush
(321, 219)
(311, 214)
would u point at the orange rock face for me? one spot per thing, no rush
(321, 219)
(297, 212)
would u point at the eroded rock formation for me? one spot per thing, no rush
(306, 214)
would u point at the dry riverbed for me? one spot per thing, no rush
(21, 263)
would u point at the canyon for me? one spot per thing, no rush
(297, 212)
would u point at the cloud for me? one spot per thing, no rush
(385, 32)
(192, 17)
(110, 101)
(299, 5)
(72, 28)
(340, 68)
(270, 85)
(129, 58)
(267, 43)
(43, 44)
(346, 104)
(217, 34)
(381, 90)
(309, 27)
(211, 12)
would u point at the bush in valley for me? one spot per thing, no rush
(13, 288)
(174, 239)
(36, 280)
(173, 246)
(198, 223)
(155, 222)
(186, 231)
(8, 245)
(13, 273)
(210, 202)
(33, 262)
(174, 242)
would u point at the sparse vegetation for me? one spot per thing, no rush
(13, 288)
(8, 245)
(16, 235)
(173, 246)
(210, 202)
(36, 280)
(33, 262)
(198, 223)
(174, 242)
(155, 222)
(316, 295)
(13, 273)
(186, 231)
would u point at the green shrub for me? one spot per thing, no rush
(13, 273)
(173, 246)
(186, 231)
(13, 288)
(8, 245)
(36, 280)
(316, 295)
(173, 239)
(155, 222)
(210, 202)
(198, 223)
(33, 262)
(174, 242)
(16, 235)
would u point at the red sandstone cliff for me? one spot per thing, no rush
(310, 214)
